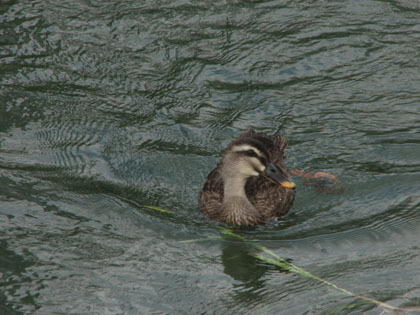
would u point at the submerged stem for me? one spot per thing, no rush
(287, 265)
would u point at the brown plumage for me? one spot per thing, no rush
(237, 191)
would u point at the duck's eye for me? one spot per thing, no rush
(250, 152)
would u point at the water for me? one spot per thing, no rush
(106, 106)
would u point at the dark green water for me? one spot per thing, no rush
(106, 106)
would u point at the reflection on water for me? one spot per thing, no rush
(246, 270)
(109, 106)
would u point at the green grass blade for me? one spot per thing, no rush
(229, 232)
(216, 238)
(158, 209)
(273, 262)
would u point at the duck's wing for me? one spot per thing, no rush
(210, 198)
(272, 200)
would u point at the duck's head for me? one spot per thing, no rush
(247, 158)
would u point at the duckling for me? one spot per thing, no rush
(250, 185)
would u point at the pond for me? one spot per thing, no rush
(107, 107)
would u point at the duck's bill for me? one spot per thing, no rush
(275, 174)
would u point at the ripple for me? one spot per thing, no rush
(108, 106)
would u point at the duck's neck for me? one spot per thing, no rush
(234, 186)
(236, 208)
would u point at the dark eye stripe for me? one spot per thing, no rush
(252, 153)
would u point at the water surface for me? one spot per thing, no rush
(106, 106)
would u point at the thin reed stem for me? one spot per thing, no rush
(278, 261)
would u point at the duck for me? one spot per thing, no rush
(250, 185)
